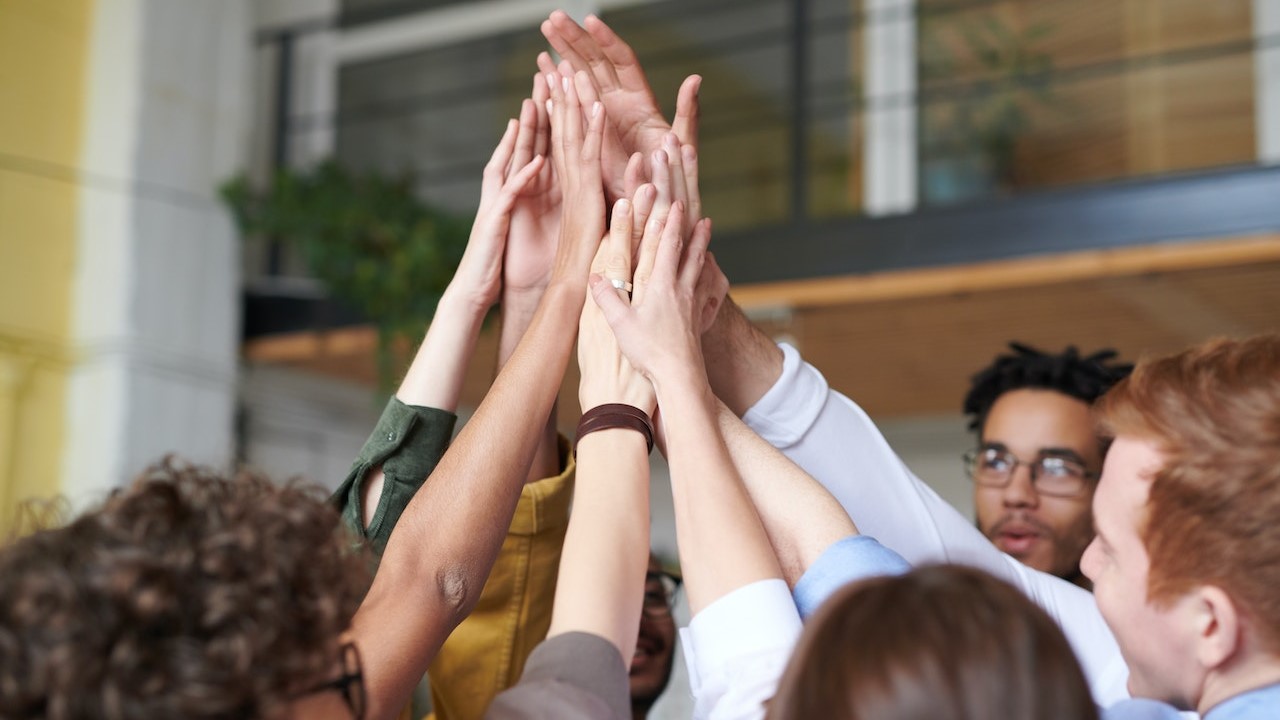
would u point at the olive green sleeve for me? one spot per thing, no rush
(407, 442)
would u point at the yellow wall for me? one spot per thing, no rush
(43, 51)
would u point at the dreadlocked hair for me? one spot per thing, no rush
(1084, 378)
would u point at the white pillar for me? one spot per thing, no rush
(889, 146)
(155, 323)
(1266, 29)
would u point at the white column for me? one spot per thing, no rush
(155, 321)
(889, 145)
(1266, 29)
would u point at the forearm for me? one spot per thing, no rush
(435, 376)
(801, 519)
(742, 362)
(606, 550)
(722, 543)
(440, 554)
(518, 309)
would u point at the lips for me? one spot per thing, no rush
(647, 649)
(1017, 536)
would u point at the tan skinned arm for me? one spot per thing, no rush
(439, 555)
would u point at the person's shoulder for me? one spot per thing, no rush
(1141, 709)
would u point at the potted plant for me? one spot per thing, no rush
(367, 237)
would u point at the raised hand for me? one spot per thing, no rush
(674, 170)
(535, 216)
(607, 376)
(509, 172)
(575, 145)
(623, 88)
(659, 330)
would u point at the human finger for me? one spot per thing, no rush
(540, 95)
(666, 265)
(675, 169)
(688, 111)
(585, 53)
(622, 59)
(695, 253)
(611, 305)
(496, 169)
(642, 206)
(617, 267)
(689, 161)
(526, 133)
(633, 175)
(647, 255)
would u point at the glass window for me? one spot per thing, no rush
(743, 52)
(436, 113)
(1024, 94)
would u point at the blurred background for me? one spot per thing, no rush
(223, 225)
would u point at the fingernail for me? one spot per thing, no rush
(551, 81)
(548, 106)
(595, 108)
(564, 83)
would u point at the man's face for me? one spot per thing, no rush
(655, 647)
(1044, 532)
(1156, 641)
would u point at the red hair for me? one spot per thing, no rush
(1213, 514)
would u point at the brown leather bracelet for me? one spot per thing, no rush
(614, 415)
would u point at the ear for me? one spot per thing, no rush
(1218, 626)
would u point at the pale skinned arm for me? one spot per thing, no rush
(526, 268)
(434, 378)
(606, 551)
(440, 553)
(722, 543)
(801, 518)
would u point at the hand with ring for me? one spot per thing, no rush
(607, 376)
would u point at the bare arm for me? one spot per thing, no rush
(440, 553)
(606, 551)
(526, 268)
(801, 518)
(722, 543)
(435, 376)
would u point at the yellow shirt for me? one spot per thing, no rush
(486, 653)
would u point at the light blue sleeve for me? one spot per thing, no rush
(1141, 709)
(852, 558)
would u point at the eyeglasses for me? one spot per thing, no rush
(659, 588)
(1052, 475)
(350, 683)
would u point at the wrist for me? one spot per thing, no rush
(464, 303)
(615, 416)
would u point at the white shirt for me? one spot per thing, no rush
(737, 648)
(832, 439)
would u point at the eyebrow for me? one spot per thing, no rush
(1060, 452)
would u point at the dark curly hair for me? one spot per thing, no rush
(1084, 378)
(186, 595)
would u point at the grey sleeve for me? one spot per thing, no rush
(570, 676)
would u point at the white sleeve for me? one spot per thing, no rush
(832, 439)
(737, 648)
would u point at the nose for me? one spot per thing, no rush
(1020, 492)
(1089, 561)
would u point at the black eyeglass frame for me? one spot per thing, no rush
(1036, 467)
(350, 684)
(670, 585)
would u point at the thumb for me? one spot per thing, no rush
(606, 296)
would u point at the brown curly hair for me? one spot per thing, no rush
(187, 595)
